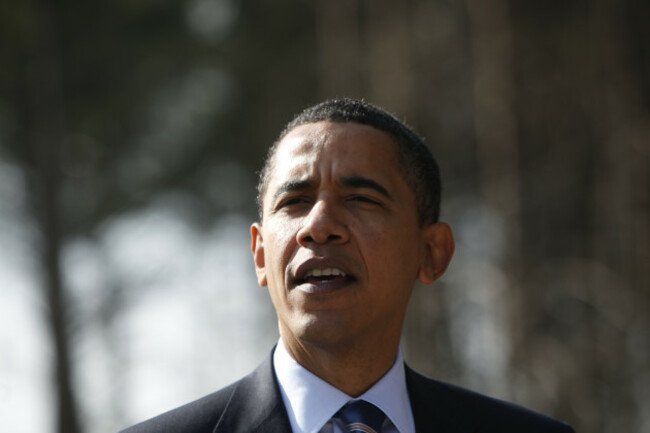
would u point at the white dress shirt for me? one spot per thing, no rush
(311, 402)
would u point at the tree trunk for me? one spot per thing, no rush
(45, 135)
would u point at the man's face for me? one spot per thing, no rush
(340, 247)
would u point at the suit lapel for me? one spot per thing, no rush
(255, 405)
(431, 411)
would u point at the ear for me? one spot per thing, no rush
(257, 247)
(438, 250)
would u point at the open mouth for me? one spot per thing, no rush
(323, 280)
(324, 275)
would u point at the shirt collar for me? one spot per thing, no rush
(311, 402)
(391, 396)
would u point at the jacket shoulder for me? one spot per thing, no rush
(195, 417)
(465, 410)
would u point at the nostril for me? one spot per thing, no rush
(322, 225)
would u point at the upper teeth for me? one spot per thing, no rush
(327, 272)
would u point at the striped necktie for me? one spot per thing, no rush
(361, 417)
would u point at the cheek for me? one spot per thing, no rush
(279, 245)
(394, 254)
(381, 240)
(378, 248)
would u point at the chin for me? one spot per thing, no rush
(321, 331)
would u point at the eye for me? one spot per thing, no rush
(364, 199)
(292, 201)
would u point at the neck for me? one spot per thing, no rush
(352, 368)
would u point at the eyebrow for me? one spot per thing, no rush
(348, 181)
(364, 182)
(293, 186)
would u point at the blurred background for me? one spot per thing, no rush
(130, 136)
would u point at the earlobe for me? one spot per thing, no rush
(438, 250)
(257, 248)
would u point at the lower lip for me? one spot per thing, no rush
(323, 287)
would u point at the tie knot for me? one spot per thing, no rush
(362, 417)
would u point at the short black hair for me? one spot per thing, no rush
(417, 164)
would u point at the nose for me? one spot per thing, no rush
(323, 225)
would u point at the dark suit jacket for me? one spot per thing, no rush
(254, 404)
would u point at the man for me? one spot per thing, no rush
(349, 202)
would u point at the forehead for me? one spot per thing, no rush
(338, 145)
(325, 151)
